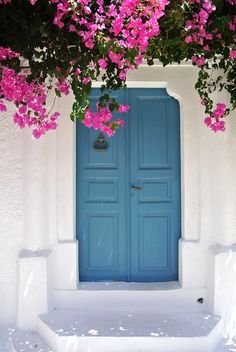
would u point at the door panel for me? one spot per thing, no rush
(102, 238)
(101, 204)
(155, 168)
(153, 241)
(128, 196)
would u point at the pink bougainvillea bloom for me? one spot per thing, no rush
(78, 71)
(206, 47)
(86, 80)
(102, 63)
(72, 28)
(7, 54)
(123, 108)
(3, 107)
(207, 121)
(188, 39)
(122, 76)
(232, 54)
(220, 110)
(63, 86)
(120, 122)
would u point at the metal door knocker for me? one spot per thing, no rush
(100, 145)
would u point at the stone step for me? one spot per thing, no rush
(133, 330)
(165, 297)
(226, 345)
(14, 340)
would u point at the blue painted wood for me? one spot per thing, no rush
(125, 233)
(101, 203)
(155, 166)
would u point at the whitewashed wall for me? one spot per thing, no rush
(11, 214)
(37, 201)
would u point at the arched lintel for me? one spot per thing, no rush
(147, 84)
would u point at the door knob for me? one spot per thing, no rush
(138, 188)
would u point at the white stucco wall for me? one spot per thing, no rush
(37, 193)
(11, 215)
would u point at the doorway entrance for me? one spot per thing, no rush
(128, 192)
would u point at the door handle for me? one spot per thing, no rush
(138, 188)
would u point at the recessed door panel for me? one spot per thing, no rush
(153, 241)
(103, 240)
(152, 132)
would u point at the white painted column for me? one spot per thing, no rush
(64, 259)
(66, 171)
(35, 193)
(32, 281)
(39, 205)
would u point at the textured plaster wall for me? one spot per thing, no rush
(11, 215)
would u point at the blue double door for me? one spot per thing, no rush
(128, 192)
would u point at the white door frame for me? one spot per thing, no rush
(179, 83)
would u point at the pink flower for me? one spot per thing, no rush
(86, 80)
(207, 121)
(123, 108)
(72, 28)
(3, 107)
(63, 86)
(219, 111)
(120, 122)
(232, 54)
(78, 71)
(122, 76)
(200, 61)
(115, 58)
(188, 39)
(102, 63)
(108, 131)
(7, 54)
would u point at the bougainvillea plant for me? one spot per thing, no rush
(203, 31)
(66, 44)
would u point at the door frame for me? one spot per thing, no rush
(143, 85)
(177, 83)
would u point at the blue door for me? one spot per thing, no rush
(128, 192)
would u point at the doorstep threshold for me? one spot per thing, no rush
(128, 286)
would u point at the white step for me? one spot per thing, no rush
(14, 340)
(166, 297)
(226, 345)
(133, 330)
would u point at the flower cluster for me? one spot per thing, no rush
(70, 43)
(102, 119)
(197, 26)
(215, 121)
(30, 100)
(210, 39)
(114, 35)
(7, 54)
